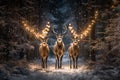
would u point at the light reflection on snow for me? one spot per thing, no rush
(36, 66)
(51, 68)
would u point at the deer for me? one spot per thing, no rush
(44, 47)
(44, 52)
(43, 37)
(59, 48)
(73, 49)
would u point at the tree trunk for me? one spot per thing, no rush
(92, 51)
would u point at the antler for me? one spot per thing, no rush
(46, 30)
(72, 31)
(64, 32)
(37, 35)
(85, 33)
(53, 30)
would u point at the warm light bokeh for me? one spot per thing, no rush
(86, 32)
(33, 31)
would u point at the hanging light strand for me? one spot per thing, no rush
(33, 31)
(72, 31)
(89, 28)
(84, 33)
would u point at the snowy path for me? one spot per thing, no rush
(37, 73)
(55, 74)
(33, 71)
(36, 65)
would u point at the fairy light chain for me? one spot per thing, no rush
(86, 31)
(33, 31)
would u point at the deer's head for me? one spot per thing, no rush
(59, 37)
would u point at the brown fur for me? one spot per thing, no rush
(44, 51)
(58, 50)
(73, 51)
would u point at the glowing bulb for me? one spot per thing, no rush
(48, 26)
(37, 35)
(46, 32)
(46, 29)
(81, 36)
(96, 12)
(86, 32)
(42, 36)
(88, 29)
(112, 6)
(93, 21)
(95, 17)
(69, 24)
(32, 31)
(74, 34)
(43, 31)
(48, 22)
(26, 27)
(70, 28)
(90, 26)
(25, 24)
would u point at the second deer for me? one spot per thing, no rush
(59, 48)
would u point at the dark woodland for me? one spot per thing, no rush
(59, 40)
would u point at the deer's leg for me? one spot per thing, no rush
(57, 61)
(56, 64)
(46, 62)
(70, 62)
(76, 62)
(61, 61)
(42, 63)
(73, 62)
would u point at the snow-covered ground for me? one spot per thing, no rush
(36, 65)
(51, 68)
(33, 71)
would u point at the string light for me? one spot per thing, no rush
(32, 31)
(89, 28)
(72, 31)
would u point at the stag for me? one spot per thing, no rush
(44, 52)
(43, 36)
(44, 48)
(73, 49)
(59, 48)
